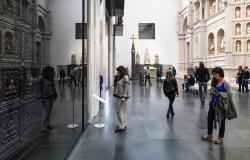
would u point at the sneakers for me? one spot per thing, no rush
(118, 129)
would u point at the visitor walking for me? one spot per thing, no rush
(147, 74)
(170, 89)
(202, 76)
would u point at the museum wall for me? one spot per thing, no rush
(64, 15)
(165, 43)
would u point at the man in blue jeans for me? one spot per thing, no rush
(202, 76)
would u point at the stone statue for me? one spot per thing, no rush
(133, 38)
(237, 13)
(238, 30)
(222, 45)
(137, 58)
(248, 46)
(212, 47)
(146, 57)
(238, 47)
(212, 9)
(248, 12)
(248, 28)
(9, 43)
(157, 59)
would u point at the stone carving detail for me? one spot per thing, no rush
(9, 127)
(237, 13)
(27, 45)
(9, 43)
(10, 80)
(11, 7)
(248, 46)
(248, 28)
(157, 60)
(238, 46)
(146, 57)
(137, 58)
(238, 29)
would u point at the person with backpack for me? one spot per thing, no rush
(202, 76)
(170, 89)
(48, 95)
(122, 93)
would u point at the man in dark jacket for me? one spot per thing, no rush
(202, 76)
(245, 77)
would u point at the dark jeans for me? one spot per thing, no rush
(147, 78)
(240, 85)
(171, 98)
(210, 121)
(72, 78)
(61, 80)
(141, 80)
(201, 92)
(245, 85)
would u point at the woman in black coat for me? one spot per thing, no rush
(170, 89)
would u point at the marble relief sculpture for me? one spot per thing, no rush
(212, 9)
(237, 13)
(9, 43)
(248, 12)
(137, 58)
(222, 45)
(248, 46)
(157, 61)
(237, 30)
(238, 46)
(146, 57)
(248, 28)
(212, 47)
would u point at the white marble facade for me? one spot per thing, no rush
(216, 32)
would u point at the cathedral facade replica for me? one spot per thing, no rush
(24, 50)
(216, 32)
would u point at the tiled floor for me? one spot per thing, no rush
(150, 136)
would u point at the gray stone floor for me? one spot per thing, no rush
(150, 136)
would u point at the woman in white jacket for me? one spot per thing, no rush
(121, 92)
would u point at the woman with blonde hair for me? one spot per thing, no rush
(170, 89)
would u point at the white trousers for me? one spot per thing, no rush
(121, 113)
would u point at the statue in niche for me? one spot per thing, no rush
(85, 55)
(212, 47)
(248, 46)
(222, 45)
(238, 30)
(248, 28)
(237, 13)
(238, 47)
(157, 59)
(146, 57)
(9, 43)
(248, 12)
(220, 5)
(73, 59)
(212, 9)
(137, 58)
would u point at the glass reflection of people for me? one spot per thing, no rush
(48, 95)
(62, 76)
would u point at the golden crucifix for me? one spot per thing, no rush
(133, 38)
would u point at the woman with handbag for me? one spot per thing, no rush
(218, 85)
(170, 89)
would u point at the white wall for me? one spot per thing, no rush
(64, 15)
(161, 12)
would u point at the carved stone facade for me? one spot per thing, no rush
(219, 37)
(19, 63)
